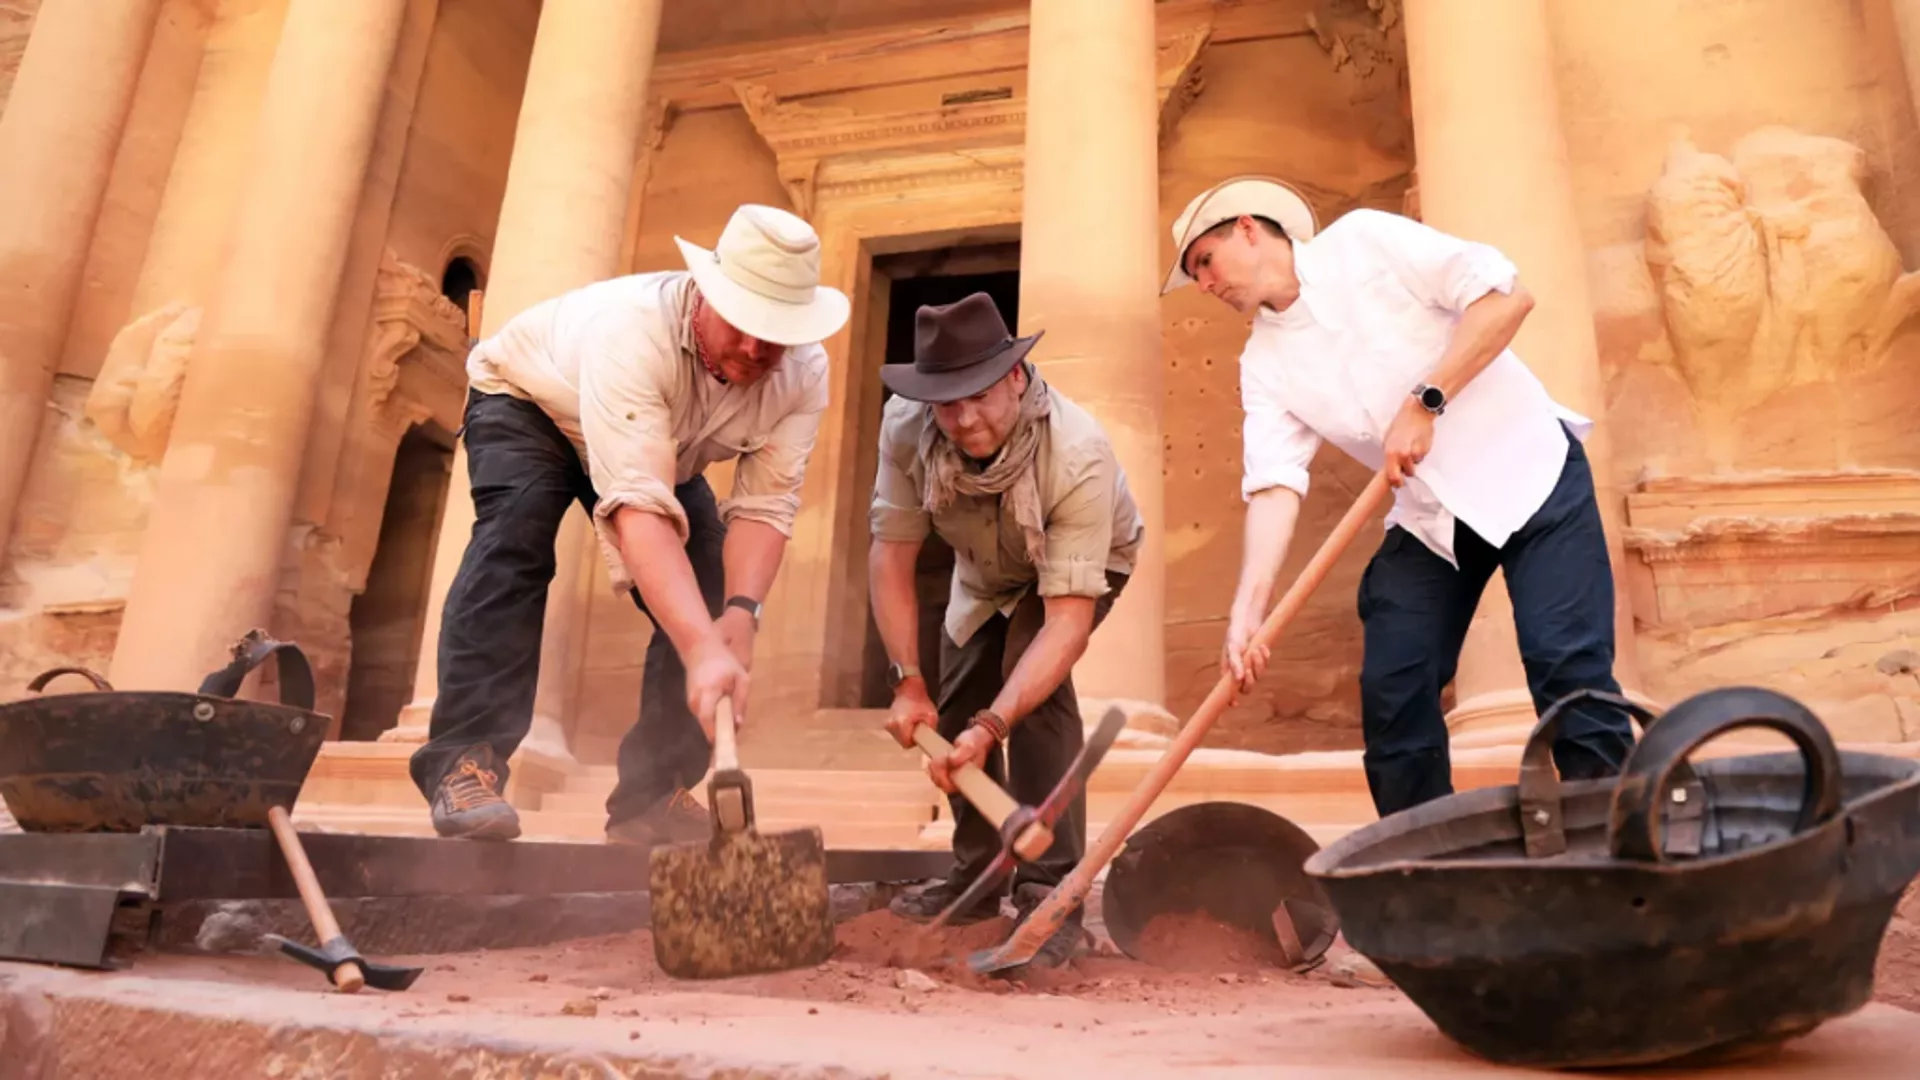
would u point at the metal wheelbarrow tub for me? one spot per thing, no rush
(117, 761)
(1677, 912)
(1233, 861)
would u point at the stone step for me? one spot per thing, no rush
(591, 827)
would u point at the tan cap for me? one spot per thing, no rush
(1252, 196)
(763, 277)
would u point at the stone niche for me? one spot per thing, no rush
(1760, 379)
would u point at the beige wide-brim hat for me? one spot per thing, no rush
(763, 277)
(1252, 196)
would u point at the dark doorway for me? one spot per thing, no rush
(387, 617)
(932, 278)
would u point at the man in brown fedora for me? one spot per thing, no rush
(618, 395)
(1025, 487)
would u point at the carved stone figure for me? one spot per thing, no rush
(1771, 267)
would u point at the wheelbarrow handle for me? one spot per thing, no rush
(1633, 826)
(1052, 913)
(989, 798)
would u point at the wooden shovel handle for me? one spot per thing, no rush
(347, 976)
(726, 750)
(986, 796)
(1074, 889)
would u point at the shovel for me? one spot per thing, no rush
(1024, 944)
(343, 964)
(739, 903)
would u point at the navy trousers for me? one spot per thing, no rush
(1415, 609)
(525, 473)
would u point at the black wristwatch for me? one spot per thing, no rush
(1432, 398)
(748, 605)
(899, 673)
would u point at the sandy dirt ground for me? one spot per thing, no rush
(888, 1003)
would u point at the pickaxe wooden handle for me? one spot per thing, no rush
(1052, 913)
(1031, 837)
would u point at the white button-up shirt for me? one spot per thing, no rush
(613, 365)
(1380, 295)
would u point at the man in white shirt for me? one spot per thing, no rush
(1389, 339)
(618, 395)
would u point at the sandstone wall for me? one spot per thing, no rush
(16, 22)
(455, 171)
(1746, 175)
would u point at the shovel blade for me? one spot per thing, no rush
(741, 904)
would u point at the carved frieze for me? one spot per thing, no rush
(1736, 549)
(834, 151)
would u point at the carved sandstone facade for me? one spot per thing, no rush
(240, 262)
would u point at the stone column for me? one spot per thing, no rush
(211, 555)
(560, 227)
(58, 137)
(1089, 264)
(1493, 168)
(1906, 20)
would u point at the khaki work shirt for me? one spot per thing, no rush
(613, 365)
(1091, 521)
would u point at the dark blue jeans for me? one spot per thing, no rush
(1415, 609)
(525, 473)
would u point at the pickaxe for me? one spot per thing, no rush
(336, 956)
(1026, 832)
(1027, 938)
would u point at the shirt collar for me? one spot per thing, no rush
(1302, 311)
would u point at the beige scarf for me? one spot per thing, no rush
(1010, 475)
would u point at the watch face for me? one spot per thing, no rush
(1432, 398)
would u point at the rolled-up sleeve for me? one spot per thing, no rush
(766, 482)
(1276, 447)
(1080, 530)
(898, 513)
(1441, 269)
(627, 424)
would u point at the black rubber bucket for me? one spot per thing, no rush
(117, 761)
(1234, 862)
(1676, 912)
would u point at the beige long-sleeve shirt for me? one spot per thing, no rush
(1091, 521)
(613, 365)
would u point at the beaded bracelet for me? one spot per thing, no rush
(991, 720)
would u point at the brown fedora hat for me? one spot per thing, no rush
(959, 349)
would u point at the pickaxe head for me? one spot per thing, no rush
(1048, 812)
(332, 956)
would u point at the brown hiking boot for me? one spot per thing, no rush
(676, 819)
(467, 803)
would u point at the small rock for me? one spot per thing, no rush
(1228, 977)
(541, 977)
(459, 997)
(602, 994)
(813, 1012)
(632, 1035)
(626, 1012)
(909, 979)
(581, 1007)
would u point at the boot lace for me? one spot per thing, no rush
(471, 786)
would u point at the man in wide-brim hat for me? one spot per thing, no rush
(618, 395)
(1389, 339)
(1024, 486)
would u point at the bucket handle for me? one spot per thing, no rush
(296, 675)
(1542, 824)
(41, 680)
(1633, 827)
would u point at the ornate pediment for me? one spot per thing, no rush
(829, 150)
